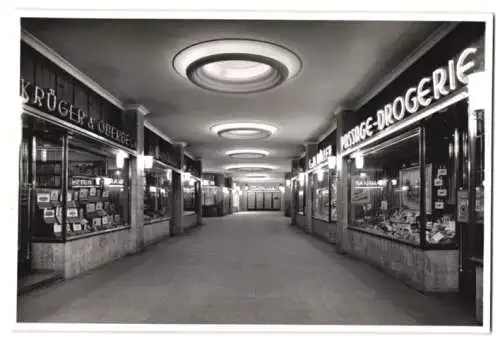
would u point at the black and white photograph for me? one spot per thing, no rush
(243, 170)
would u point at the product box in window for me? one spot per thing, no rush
(96, 223)
(43, 200)
(49, 215)
(105, 194)
(72, 215)
(99, 209)
(55, 196)
(84, 193)
(90, 211)
(117, 219)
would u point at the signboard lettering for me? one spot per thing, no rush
(442, 82)
(320, 157)
(47, 100)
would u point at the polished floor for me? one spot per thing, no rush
(247, 268)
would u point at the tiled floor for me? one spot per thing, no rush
(248, 268)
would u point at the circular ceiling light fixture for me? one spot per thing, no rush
(244, 130)
(257, 175)
(250, 167)
(247, 153)
(237, 65)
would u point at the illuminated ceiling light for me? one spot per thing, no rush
(332, 162)
(247, 153)
(236, 65)
(257, 175)
(250, 167)
(244, 131)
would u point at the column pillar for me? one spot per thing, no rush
(136, 113)
(199, 199)
(342, 185)
(177, 222)
(287, 195)
(293, 192)
(311, 150)
(220, 182)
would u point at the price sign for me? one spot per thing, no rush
(43, 198)
(442, 192)
(57, 228)
(439, 205)
(90, 208)
(77, 227)
(442, 172)
(48, 213)
(92, 192)
(438, 182)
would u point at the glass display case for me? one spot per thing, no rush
(157, 194)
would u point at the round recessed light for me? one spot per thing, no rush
(250, 167)
(236, 65)
(257, 175)
(244, 130)
(247, 153)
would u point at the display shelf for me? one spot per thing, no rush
(383, 235)
(96, 233)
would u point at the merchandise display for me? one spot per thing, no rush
(189, 195)
(157, 194)
(209, 195)
(320, 194)
(301, 198)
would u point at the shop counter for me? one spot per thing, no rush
(190, 219)
(156, 230)
(81, 253)
(424, 270)
(324, 229)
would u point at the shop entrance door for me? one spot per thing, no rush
(276, 200)
(24, 213)
(259, 200)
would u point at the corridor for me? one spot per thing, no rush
(247, 268)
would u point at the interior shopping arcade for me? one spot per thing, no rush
(253, 172)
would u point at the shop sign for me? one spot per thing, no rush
(320, 157)
(444, 80)
(47, 100)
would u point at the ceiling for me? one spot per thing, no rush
(132, 59)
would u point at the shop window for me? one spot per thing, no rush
(157, 194)
(189, 195)
(320, 194)
(301, 197)
(47, 208)
(385, 189)
(98, 196)
(333, 195)
(209, 195)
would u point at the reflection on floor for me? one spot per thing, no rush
(246, 268)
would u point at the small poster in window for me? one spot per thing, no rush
(72, 213)
(105, 194)
(442, 172)
(439, 205)
(54, 195)
(383, 205)
(438, 182)
(96, 222)
(105, 220)
(77, 227)
(98, 205)
(90, 208)
(117, 219)
(43, 197)
(462, 206)
(69, 196)
(57, 228)
(437, 237)
(48, 213)
(92, 192)
(84, 193)
(442, 192)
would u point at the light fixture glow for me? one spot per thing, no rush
(236, 65)
(332, 162)
(250, 166)
(302, 177)
(320, 175)
(476, 87)
(287, 182)
(247, 153)
(394, 182)
(120, 159)
(359, 160)
(148, 161)
(244, 131)
(363, 175)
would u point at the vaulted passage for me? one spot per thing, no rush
(247, 268)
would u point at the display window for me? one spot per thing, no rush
(301, 196)
(97, 194)
(210, 195)
(385, 189)
(320, 193)
(157, 194)
(189, 195)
